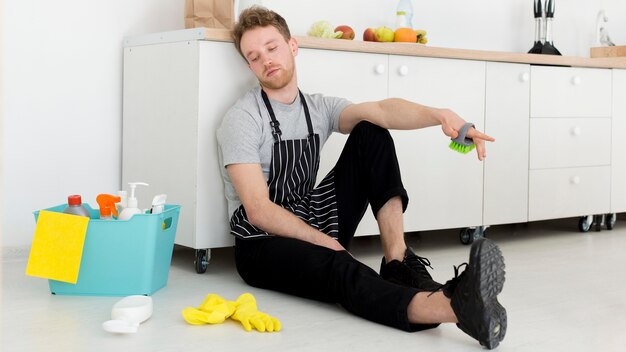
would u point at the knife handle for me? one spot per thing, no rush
(549, 8)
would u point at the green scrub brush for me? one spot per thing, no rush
(461, 143)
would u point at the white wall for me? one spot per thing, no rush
(62, 100)
(62, 76)
(477, 24)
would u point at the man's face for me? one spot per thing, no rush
(269, 56)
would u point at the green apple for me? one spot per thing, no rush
(384, 34)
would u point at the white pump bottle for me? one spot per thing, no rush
(132, 207)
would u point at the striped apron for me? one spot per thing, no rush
(291, 182)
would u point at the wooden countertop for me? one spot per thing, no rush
(408, 49)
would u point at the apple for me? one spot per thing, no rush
(384, 34)
(348, 32)
(369, 35)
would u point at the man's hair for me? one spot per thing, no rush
(258, 16)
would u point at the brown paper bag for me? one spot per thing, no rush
(209, 13)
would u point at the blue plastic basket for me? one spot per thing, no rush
(123, 257)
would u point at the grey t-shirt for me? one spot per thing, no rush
(245, 135)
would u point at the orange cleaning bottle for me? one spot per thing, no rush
(106, 202)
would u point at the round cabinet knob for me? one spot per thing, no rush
(524, 77)
(379, 69)
(576, 131)
(576, 80)
(574, 180)
(403, 70)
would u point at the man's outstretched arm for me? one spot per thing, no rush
(400, 114)
(263, 213)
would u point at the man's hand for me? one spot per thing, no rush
(328, 242)
(269, 216)
(451, 123)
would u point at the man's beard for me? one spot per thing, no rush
(284, 79)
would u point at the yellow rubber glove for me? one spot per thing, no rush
(213, 310)
(248, 315)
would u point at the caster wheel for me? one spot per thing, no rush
(466, 236)
(610, 221)
(584, 223)
(201, 261)
(598, 220)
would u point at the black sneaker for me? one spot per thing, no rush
(474, 292)
(410, 272)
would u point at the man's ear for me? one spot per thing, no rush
(293, 43)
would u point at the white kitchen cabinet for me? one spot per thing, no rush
(570, 128)
(618, 141)
(358, 77)
(445, 187)
(559, 150)
(175, 95)
(506, 166)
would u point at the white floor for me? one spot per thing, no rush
(564, 291)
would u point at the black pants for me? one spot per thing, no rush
(367, 173)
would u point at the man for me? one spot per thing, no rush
(293, 237)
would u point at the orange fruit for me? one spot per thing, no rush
(405, 35)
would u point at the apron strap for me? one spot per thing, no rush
(306, 113)
(276, 132)
(274, 123)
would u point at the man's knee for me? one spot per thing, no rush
(371, 131)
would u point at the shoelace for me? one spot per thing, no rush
(419, 264)
(454, 281)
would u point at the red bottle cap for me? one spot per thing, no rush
(74, 200)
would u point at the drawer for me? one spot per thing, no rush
(570, 92)
(560, 193)
(569, 142)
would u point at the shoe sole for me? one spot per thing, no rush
(487, 264)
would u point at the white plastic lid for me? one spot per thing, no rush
(119, 327)
(128, 313)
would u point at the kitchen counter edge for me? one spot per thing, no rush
(408, 49)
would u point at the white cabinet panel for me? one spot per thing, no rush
(566, 142)
(558, 193)
(618, 157)
(214, 100)
(172, 108)
(358, 77)
(159, 125)
(570, 92)
(445, 187)
(506, 165)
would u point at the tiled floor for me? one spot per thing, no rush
(564, 291)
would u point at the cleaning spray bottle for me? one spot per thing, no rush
(122, 204)
(75, 206)
(158, 204)
(132, 208)
(106, 202)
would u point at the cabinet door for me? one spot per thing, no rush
(566, 192)
(445, 187)
(570, 92)
(506, 166)
(160, 146)
(569, 142)
(223, 77)
(618, 162)
(358, 77)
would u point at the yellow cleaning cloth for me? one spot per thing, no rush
(57, 246)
